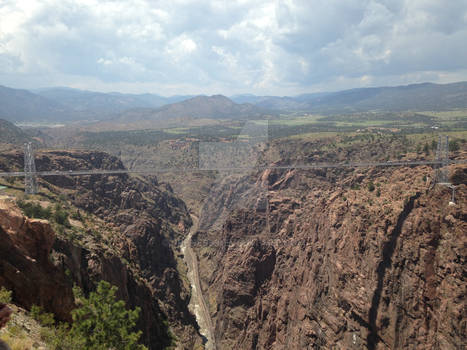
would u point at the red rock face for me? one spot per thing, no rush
(329, 267)
(25, 266)
(141, 216)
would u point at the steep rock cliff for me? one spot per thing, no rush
(136, 223)
(333, 262)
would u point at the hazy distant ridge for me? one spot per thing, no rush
(425, 96)
(22, 105)
(212, 107)
(104, 103)
(65, 104)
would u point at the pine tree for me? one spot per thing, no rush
(103, 322)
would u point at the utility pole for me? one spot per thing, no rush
(30, 178)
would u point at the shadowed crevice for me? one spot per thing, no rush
(385, 263)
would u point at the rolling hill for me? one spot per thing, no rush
(425, 96)
(101, 105)
(13, 135)
(211, 107)
(68, 105)
(10, 133)
(22, 105)
(416, 97)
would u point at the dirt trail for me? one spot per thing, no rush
(197, 302)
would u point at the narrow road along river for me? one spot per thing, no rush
(197, 303)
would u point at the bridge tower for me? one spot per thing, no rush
(30, 178)
(442, 170)
(442, 155)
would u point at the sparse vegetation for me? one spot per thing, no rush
(426, 149)
(44, 318)
(99, 323)
(60, 216)
(453, 146)
(34, 210)
(5, 295)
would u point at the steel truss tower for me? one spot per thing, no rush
(30, 178)
(442, 155)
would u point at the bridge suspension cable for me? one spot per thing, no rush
(30, 173)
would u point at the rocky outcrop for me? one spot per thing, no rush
(142, 220)
(25, 267)
(332, 263)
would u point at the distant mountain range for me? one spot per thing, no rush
(189, 112)
(419, 97)
(66, 104)
(211, 107)
(104, 104)
(22, 105)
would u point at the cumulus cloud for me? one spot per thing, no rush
(260, 46)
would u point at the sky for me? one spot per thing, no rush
(264, 47)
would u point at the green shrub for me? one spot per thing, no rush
(5, 296)
(60, 216)
(60, 230)
(103, 322)
(426, 149)
(453, 146)
(34, 210)
(371, 186)
(60, 338)
(99, 323)
(44, 318)
(76, 215)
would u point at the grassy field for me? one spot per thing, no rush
(171, 143)
(458, 113)
(375, 136)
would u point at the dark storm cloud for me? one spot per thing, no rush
(278, 47)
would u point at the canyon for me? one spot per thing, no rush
(321, 259)
(125, 230)
(346, 258)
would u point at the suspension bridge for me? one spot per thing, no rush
(440, 165)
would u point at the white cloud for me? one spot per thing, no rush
(261, 46)
(181, 46)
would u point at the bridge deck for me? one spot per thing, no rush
(164, 170)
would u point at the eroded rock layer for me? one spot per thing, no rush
(134, 226)
(336, 259)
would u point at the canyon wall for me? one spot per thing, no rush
(336, 259)
(127, 234)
